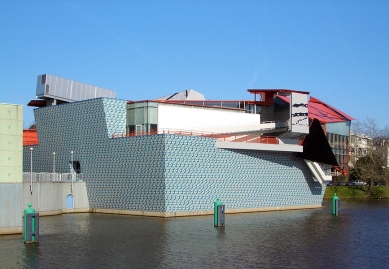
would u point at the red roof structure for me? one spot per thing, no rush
(265, 96)
(37, 103)
(321, 110)
(324, 112)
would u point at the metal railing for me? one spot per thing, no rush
(51, 177)
(248, 138)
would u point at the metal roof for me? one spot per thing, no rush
(324, 112)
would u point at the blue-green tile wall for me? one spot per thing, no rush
(163, 173)
(197, 173)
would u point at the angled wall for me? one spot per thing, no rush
(197, 173)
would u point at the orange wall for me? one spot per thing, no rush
(30, 137)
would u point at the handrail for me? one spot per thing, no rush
(50, 177)
(247, 138)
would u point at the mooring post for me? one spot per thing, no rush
(218, 213)
(335, 205)
(31, 225)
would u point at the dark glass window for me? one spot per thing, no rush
(76, 166)
(43, 79)
(153, 127)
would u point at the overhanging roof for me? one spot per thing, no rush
(324, 112)
(274, 91)
(329, 107)
(266, 95)
(37, 103)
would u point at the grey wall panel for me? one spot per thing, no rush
(11, 207)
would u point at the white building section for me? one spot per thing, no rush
(299, 122)
(318, 172)
(178, 117)
(258, 146)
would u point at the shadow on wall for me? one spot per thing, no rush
(278, 160)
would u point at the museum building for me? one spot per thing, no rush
(177, 154)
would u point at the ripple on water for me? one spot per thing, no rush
(287, 239)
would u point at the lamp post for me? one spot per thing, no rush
(53, 162)
(31, 149)
(71, 170)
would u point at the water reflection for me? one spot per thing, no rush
(289, 239)
(30, 255)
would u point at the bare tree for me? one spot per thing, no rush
(32, 125)
(372, 166)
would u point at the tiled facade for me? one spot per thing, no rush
(163, 173)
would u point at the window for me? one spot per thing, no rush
(76, 166)
(153, 127)
(43, 79)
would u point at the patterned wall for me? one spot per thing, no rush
(163, 173)
(197, 173)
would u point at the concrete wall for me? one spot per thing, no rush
(11, 208)
(49, 198)
(11, 144)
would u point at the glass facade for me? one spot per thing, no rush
(338, 135)
(142, 117)
(280, 104)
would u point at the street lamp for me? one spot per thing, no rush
(31, 149)
(71, 170)
(53, 162)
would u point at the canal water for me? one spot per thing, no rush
(358, 238)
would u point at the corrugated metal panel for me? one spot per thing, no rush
(49, 86)
(30, 137)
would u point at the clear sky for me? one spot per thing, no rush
(336, 50)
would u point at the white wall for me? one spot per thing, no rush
(50, 197)
(175, 117)
(299, 122)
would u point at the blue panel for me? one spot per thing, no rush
(70, 201)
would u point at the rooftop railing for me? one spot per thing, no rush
(248, 138)
(51, 177)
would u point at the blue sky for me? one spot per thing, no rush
(336, 50)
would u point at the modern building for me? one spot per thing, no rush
(359, 146)
(173, 156)
(336, 125)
